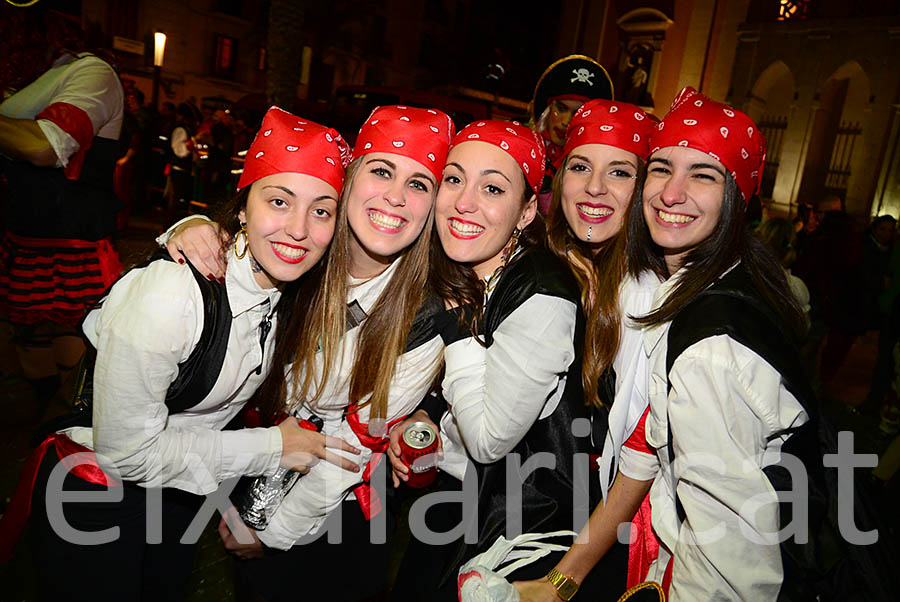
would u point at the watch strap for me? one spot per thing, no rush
(566, 587)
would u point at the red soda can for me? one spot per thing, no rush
(418, 450)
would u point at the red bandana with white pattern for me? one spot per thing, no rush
(613, 123)
(420, 134)
(720, 131)
(521, 143)
(287, 143)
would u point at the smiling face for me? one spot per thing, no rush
(683, 196)
(561, 113)
(289, 220)
(596, 189)
(388, 205)
(479, 204)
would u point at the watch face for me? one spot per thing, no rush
(567, 589)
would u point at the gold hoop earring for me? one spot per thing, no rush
(237, 238)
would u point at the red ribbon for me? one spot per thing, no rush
(462, 579)
(110, 265)
(368, 499)
(13, 522)
(644, 547)
(667, 577)
(75, 122)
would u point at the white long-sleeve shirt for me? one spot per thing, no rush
(86, 82)
(318, 493)
(632, 368)
(149, 323)
(496, 394)
(724, 405)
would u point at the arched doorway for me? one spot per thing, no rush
(832, 155)
(643, 31)
(769, 105)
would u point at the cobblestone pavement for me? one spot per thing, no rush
(212, 575)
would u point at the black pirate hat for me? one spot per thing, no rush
(575, 76)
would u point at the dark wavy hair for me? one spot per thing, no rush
(731, 242)
(459, 284)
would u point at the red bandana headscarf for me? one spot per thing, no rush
(724, 133)
(420, 134)
(521, 143)
(287, 143)
(618, 124)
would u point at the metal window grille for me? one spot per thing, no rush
(773, 128)
(838, 174)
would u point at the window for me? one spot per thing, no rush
(225, 58)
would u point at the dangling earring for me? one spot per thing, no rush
(241, 233)
(590, 229)
(510, 248)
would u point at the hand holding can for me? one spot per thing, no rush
(418, 451)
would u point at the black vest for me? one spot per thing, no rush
(826, 566)
(547, 495)
(43, 203)
(197, 375)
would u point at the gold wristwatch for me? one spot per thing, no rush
(565, 586)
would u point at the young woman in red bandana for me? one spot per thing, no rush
(170, 373)
(598, 182)
(512, 380)
(725, 398)
(362, 358)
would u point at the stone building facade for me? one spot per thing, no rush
(823, 85)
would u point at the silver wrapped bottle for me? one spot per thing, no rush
(257, 498)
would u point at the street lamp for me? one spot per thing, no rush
(159, 49)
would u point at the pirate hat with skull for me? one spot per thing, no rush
(575, 77)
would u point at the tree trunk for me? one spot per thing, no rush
(284, 50)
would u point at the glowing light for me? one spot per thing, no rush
(159, 48)
(792, 9)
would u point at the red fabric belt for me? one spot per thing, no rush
(13, 523)
(368, 499)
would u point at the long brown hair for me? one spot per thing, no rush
(458, 283)
(729, 243)
(599, 277)
(319, 323)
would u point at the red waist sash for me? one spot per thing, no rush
(368, 500)
(86, 468)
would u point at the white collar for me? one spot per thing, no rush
(652, 334)
(244, 292)
(366, 291)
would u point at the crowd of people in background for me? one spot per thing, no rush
(177, 155)
(599, 288)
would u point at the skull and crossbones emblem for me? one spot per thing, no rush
(582, 76)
